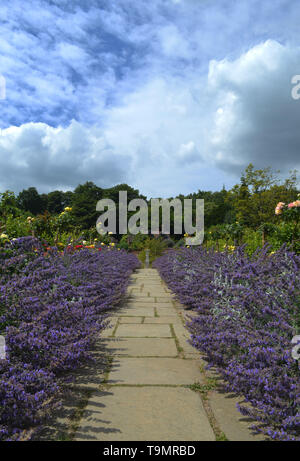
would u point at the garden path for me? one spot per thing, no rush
(156, 387)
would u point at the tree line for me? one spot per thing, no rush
(251, 202)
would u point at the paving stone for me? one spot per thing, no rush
(144, 331)
(161, 296)
(147, 281)
(154, 371)
(145, 413)
(183, 335)
(136, 304)
(155, 293)
(166, 312)
(141, 347)
(131, 319)
(193, 355)
(165, 304)
(166, 319)
(234, 425)
(147, 287)
(141, 298)
(148, 277)
(109, 330)
(137, 312)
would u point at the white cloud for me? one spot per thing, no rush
(188, 152)
(173, 43)
(49, 158)
(258, 118)
(167, 95)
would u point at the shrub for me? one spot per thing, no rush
(248, 312)
(51, 311)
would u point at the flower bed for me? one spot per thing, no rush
(248, 313)
(51, 310)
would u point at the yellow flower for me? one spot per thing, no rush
(112, 244)
(4, 236)
(110, 233)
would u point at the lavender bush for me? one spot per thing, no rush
(248, 312)
(52, 307)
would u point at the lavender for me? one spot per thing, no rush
(52, 308)
(248, 312)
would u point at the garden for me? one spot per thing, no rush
(53, 305)
(60, 279)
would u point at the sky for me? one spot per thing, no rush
(169, 96)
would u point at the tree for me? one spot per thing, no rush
(85, 198)
(8, 204)
(30, 200)
(113, 194)
(253, 199)
(55, 201)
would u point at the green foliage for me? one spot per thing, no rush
(55, 202)
(135, 242)
(156, 247)
(254, 198)
(30, 200)
(244, 214)
(8, 206)
(84, 202)
(17, 227)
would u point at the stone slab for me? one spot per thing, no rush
(165, 304)
(167, 320)
(183, 336)
(166, 312)
(144, 331)
(145, 413)
(141, 347)
(109, 330)
(234, 425)
(137, 312)
(156, 293)
(131, 319)
(138, 304)
(165, 298)
(152, 371)
(154, 284)
(141, 298)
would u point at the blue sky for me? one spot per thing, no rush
(170, 96)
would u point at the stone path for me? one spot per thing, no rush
(155, 387)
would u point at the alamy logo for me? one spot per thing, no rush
(2, 87)
(2, 348)
(296, 349)
(160, 212)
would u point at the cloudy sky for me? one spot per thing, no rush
(170, 96)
